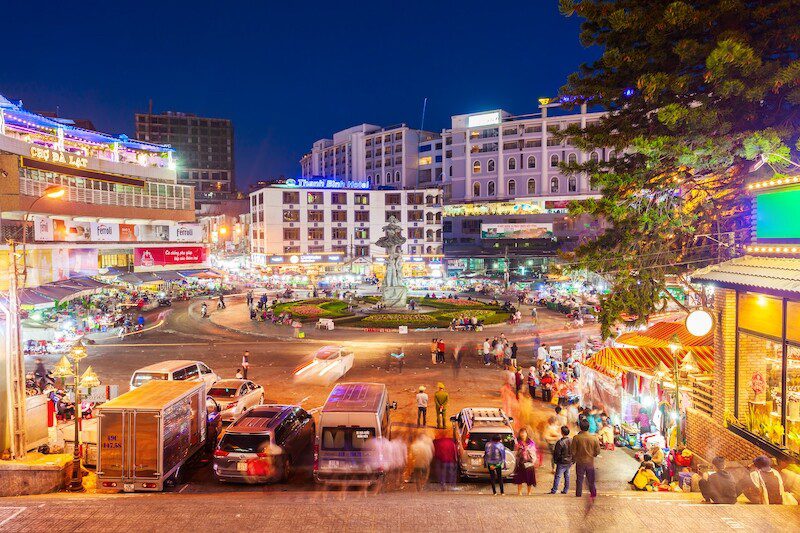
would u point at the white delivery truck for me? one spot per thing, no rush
(146, 435)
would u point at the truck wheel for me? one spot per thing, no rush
(286, 472)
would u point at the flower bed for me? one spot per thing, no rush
(307, 311)
(313, 309)
(480, 314)
(452, 303)
(415, 319)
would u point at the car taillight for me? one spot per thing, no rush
(220, 453)
(466, 439)
(316, 456)
(262, 454)
(109, 484)
(149, 485)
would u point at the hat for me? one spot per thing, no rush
(422, 388)
(440, 385)
(686, 453)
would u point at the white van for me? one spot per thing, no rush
(353, 425)
(174, 370)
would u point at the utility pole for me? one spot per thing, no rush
(15, 364)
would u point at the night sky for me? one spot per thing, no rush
(286, 73)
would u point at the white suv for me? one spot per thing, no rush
(473, 427)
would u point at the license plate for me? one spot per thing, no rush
(241, 466)
(477, 461)
(334, 464)
(128, 487)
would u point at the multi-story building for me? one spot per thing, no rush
(203, 150)
(118, 203)
(397, 157)
(506, 197)
(324, 224)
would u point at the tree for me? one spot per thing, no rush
(695, 92)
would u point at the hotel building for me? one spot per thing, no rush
(120, 206)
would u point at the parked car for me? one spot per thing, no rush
(236, 396)
(264, 444)
(174, 370)
(473, 427)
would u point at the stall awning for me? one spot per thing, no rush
(59, 291)
(613, 361)
(658, 336)
(202, 273)
(750, 272)
(168, 275)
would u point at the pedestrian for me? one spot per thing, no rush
(441, 399)
(422, 406)
(421, 456)
(541, 357)
(245, 363)
(535, 316)
(434, 351)
(507, 357)
(487, 352)
(446, 455)
(456, 362)
(494, 459)
(551, 435)
(537, 342)
(533, 381)
(40, 374)
(239, 374)
(221, 303)
(514, 350)
(562, 458)
(518, 381)
(584, 448)
(440, 350)
(527, 456)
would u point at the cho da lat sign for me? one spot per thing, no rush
(151, 257)
(57, 157)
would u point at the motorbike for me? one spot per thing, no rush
(164, 302)
(204, 310)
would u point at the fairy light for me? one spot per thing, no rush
(773, 183)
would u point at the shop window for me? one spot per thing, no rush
(512, 187)
(476, 189)
(760, 314)
(476, 168)
(760, 365)
(490, 188)
(531, 186)
(793, 325)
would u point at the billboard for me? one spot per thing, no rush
(103, 232)
(186, 233)
(516, 231)
(776, 216)
(71, 230)
(148, 257)
(54, 229)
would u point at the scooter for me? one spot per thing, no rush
(204, 310)
(164, 302)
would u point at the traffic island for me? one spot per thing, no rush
(35, 474)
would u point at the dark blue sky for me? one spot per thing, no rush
(286, 73)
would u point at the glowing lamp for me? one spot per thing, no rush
(699, 322)
(660, 370)
(63, 368)
(55, 191)
(89, 379)
(689, 364)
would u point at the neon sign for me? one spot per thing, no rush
(54, 156)
(324, 183)
(484, 119)
(493, 208)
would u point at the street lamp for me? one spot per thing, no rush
(674, 347)
(16, 370)
(69, 367)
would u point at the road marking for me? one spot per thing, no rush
(16, 511)
(732, 523)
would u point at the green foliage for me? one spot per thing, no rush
(716, 86)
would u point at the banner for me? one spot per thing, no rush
(103, 232)
(71, 231)
(83, 262)
(128, 233)
(168, 256)
(42, 228)
(186, 233)
(516, 231)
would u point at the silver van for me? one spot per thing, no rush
(353, 423)
(174, 370)
(473, 427)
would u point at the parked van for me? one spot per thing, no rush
(174, 370)
(355, 417)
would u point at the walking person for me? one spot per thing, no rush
(421, 455)
(494, 459)
(245, 363)
(422, 406)
(441, 399)
(221, 302)
(440, 350)
(434, 351)
(446, 455)
(514, 350)
(562, 457)
(487, 352)
(584, 448)
(527, 456)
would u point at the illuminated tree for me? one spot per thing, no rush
(698, 92)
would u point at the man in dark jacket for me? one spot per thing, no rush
(584, 447)
(562, 457)
(720, 487)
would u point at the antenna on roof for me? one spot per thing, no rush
(150, 107)
(424, 108)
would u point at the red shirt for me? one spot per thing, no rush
(440, 346)
(444, 450)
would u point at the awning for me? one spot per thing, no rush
(658, 336)
(59, 291)
(202, 273)
(168, 275)
(613, 361)
(750, 272)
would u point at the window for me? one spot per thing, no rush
(291, 197)
(377, 179)
(397, 176)
(388, 176)
(490, 189)
(414, 216)
(392, 199)
(554, 160)
(415, 198)
(572, 159)
(316, 234)
(512, 163)
(512, 187)
(490, 165)
(339, 216)
(362, 199)
(415, 233)
(361, 251)
(572, 184)
(425, 160)
(291, 215)
(476, 167)
(291, 234)
(594, 157)
(339, 198)
(553, 184)
(531, 161)
(531, 186)
(450, 171)
(314, 198)
(447, 226)
(395, 214)
(316, 216)
(471, 226)
(476, 189)
(362, 216)
(362, 233)
(339, 233)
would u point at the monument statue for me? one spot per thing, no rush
(394, 292)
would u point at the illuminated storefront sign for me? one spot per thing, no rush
(46, 229)
(304, 259)
(168, 256)
(484, 119)
(323, 183)
(516, 231)
(776, 216)
(533, 207)
(63, 158)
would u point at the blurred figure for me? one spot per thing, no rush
(719, 486)
(421, 456)
(551, 435)
(765, 485)
(446, 455)
(525, 468)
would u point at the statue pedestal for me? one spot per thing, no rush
(394, 296)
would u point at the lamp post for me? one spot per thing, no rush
(674, 346)
(69, 367)
(16, 361)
